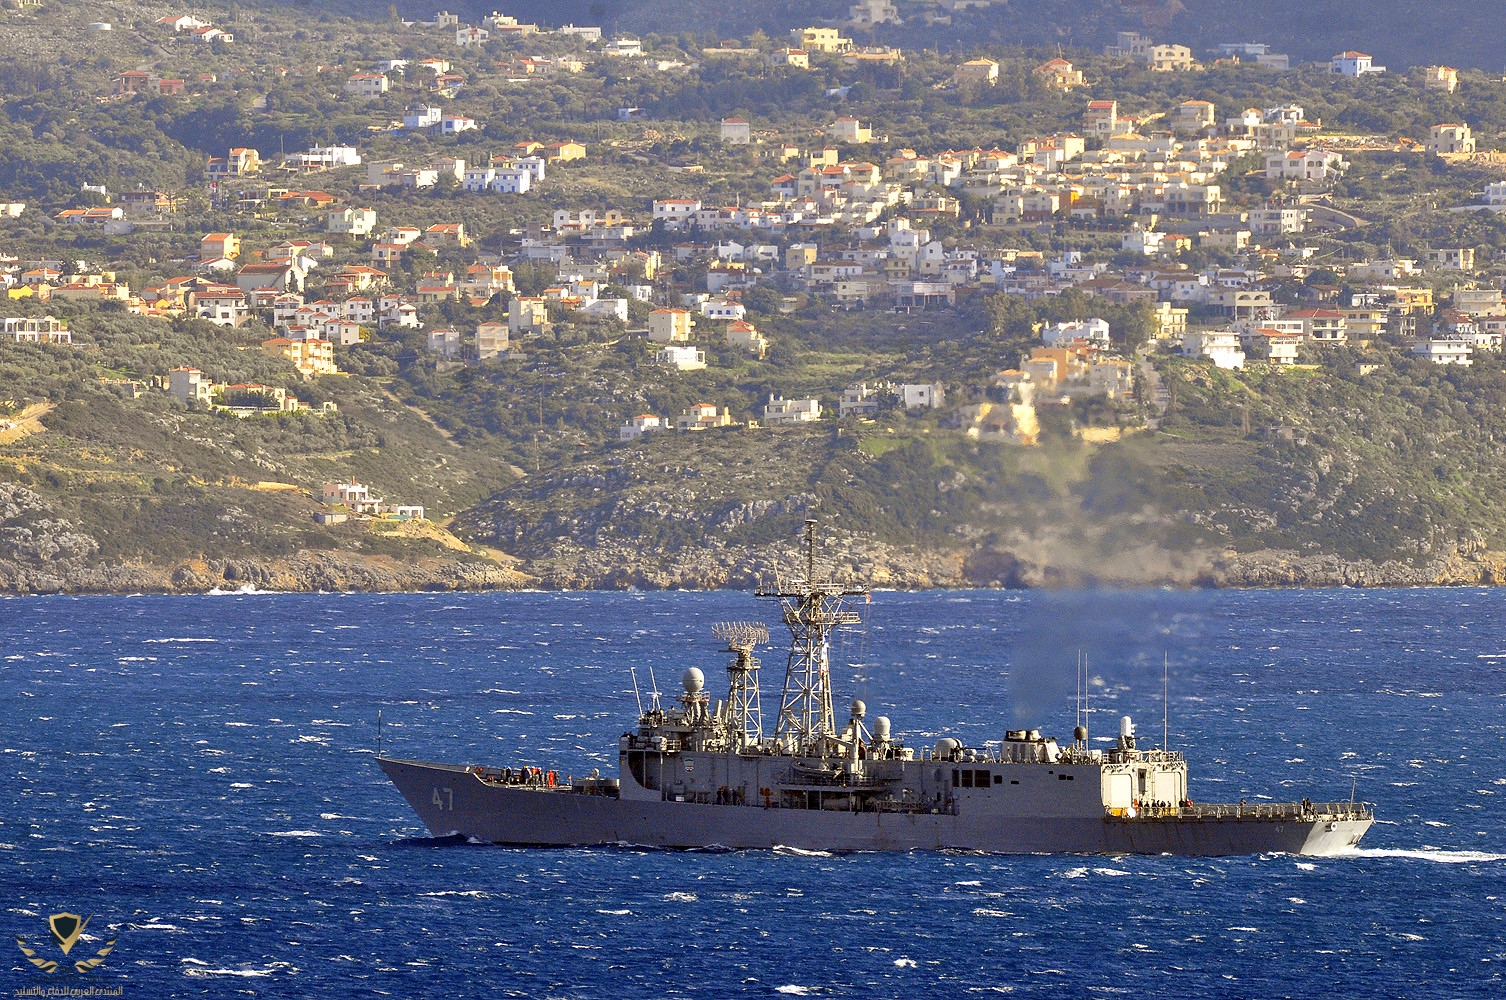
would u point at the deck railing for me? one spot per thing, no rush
(1281, 811)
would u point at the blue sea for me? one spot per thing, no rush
(197, 773)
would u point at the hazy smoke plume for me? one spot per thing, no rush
(1123, 635)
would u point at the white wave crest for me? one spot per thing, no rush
(800, 852)
(1443, 857)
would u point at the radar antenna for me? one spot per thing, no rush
(813, 608)
(744, 711)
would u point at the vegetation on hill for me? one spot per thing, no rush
(1401, 463)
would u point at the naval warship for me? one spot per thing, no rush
(702, 774)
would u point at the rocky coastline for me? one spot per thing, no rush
(733, 568)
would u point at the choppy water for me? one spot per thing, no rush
(198, 773)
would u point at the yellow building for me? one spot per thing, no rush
(564, 152)
(1441, 78)
(310, 357)
(1170, 59)
(1060, 75)
(819, 40)
(667, 326)
(984, 71)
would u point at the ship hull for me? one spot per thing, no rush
(452, 800)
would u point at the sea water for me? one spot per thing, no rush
(198, 774)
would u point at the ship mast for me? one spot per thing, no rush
(744, 713)
(813, 608)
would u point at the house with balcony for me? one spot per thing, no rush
(1450, 139)
(780, 411)
(1059, 74)
(527, 314)
(1221, 347)
(681, 357)
(640, 425)
(703, 417)
(667, 326)
(1355, 64)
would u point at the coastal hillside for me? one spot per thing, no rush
(1401, 32)
(302, 301)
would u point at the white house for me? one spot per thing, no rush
(1445, 351)
(1307, 165)
(1276, 221)
(849, 130)
(736, 132)
(623, 47)
(779, 410)
(422, 116)
(368, 85)
(1222, 347)
(352, 221)
(640, 425)
(676, 210)
(1141, 241)
(607, 309)
(190, 384)
(478, 178)
(454, 125)
(1279, 347)
(684, 358)
(445, 343)
(1353, 64)
(1095, 331)
(510, 180)
(722, 310)
(928, 395)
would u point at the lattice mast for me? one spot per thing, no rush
(744, 712)
(813, 608)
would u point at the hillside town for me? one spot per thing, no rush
(1180, 232)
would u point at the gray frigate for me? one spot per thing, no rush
(702, 774)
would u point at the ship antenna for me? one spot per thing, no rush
(810, 550)
(1165, 701)
(1087, 686)
(633, 672)
(653, 690)
(379, 732)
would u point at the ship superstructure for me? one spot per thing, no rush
(702, 772)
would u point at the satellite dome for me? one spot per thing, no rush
(946, 746)
(858, 709)
(693, 680)
(881, 728)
